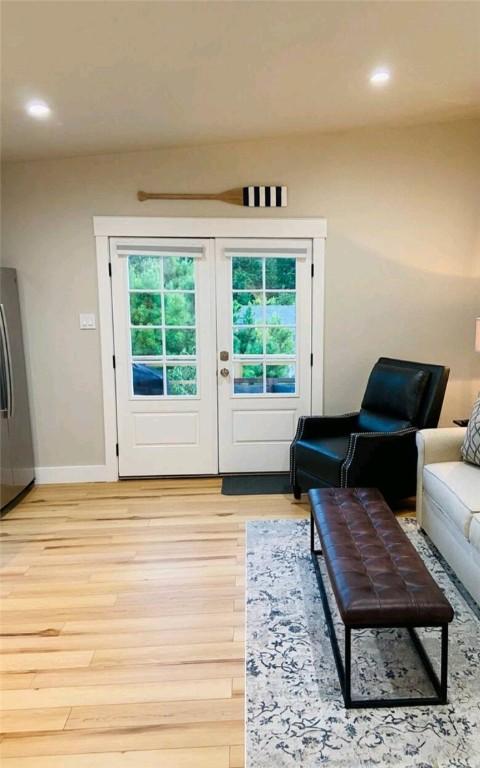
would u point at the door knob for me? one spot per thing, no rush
(224, 372)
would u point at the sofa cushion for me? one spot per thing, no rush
(471, 443)
(475, 532)
(322, 457)
(455, 487)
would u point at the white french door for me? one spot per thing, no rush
(212, 343)
(163, 294)
(264, 339)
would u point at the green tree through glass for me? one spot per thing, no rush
(144, 272)
(146, 341)
(145, 309)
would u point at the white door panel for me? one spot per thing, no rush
(262, 426)
(164, 330)
(212, 346)
(166, 428)
(264, 342)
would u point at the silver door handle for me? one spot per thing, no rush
(8, 361)
(3, 376)
(224, 372)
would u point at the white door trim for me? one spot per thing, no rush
(140, 226)
(149, 226)
(318, 324)
(107, 349)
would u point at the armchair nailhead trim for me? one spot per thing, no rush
(298, 436)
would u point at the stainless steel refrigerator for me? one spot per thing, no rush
(16, 451)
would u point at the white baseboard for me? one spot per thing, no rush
(95, 473)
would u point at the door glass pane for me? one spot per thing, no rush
(145, 309)
(147, 379)
(280, 308)
(146, 341)
(280, 273)
(248, 341)
(178, 273)
(247, 273)
(280, 341)
(179, 309)
(144, 272)
(248, 379)
(162, 325)
(280, 379)
(179, 342)
(181, 380)
(247, 308)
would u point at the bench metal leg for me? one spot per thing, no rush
(440, 685)
(344, 667)
(312, 536)
(347, 688)
(444, 665)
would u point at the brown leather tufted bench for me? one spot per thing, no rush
(378, 579)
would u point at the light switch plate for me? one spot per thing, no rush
(87, 322)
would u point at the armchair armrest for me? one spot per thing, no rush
(376, 459)
(326, 426)
(319, 426)
(434, 447)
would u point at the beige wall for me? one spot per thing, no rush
(403, 211)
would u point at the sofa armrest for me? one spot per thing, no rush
(434, 447)
(437, 445)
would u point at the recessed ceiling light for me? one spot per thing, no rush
(38, 109)
(380, 77)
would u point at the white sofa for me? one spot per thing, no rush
(448, 502)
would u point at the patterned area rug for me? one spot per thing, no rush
(295, 712)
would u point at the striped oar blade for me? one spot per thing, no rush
(265, 197)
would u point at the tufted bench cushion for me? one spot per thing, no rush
(377, 576)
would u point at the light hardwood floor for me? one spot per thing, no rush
(123, 624)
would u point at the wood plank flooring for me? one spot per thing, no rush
(122, 625)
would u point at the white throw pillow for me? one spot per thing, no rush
(471, 443)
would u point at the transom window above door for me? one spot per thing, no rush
(163, 324)
(264, 323)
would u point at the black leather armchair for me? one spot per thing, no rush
(373, 447)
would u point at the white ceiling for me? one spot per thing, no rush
(133, 75)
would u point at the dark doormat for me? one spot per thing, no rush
(242, 485)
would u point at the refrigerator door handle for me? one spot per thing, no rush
(8, 359)
(3, 378)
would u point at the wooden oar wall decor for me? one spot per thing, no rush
(251, 197)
